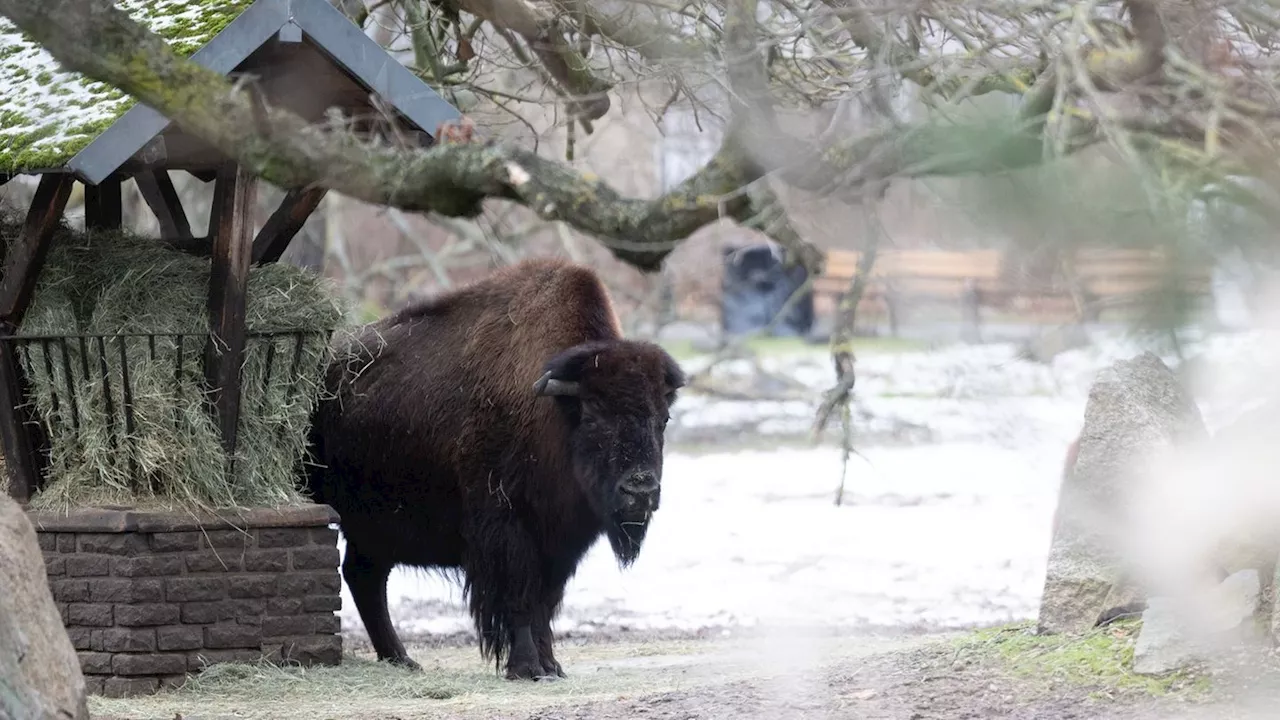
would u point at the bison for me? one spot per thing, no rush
(497, 430)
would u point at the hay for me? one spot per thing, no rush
(456, 684)
(115, 283)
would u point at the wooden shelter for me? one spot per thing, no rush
(305, 56)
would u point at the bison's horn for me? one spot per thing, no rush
(548, 385)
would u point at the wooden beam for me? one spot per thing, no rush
(198, 246)
(285, 223)
(102, 205)
(25, 258)
(23, 262)
(158, 191)
(232, 229)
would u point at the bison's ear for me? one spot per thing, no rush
(674, 377)
(561, 374)
(550, 385)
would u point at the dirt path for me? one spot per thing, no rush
(942, 677)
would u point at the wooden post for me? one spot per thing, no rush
(157, 190)
(232, 229)
(285, 223)
(971, 307)
(893, 308)
(23, 262)
(103, 209)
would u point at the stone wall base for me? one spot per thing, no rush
(149, 597)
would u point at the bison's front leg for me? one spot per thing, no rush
(523, 662)
(543, 637)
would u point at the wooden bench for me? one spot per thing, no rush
(1123, 278)
(1091, 280)
(971, 278)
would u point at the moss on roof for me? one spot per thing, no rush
(48, 114)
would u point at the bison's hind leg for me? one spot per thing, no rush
(367, 578)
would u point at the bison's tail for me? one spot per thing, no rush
(492, 629)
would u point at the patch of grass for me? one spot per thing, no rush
(1101, 660)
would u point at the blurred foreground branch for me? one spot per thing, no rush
(1104, 71)
(841, 396)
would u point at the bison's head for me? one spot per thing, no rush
(615, 397)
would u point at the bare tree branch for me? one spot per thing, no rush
(1120, 92)
(101, 41)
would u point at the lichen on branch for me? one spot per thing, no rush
(104, 43)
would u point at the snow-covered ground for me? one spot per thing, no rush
(952, 531)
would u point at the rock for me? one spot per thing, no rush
(39, 671)
(1251, 541)
(1135, 407)
(1275, 606)
(1234, 602)
(1169, 641)
(1161, 647)
(1125, 598)
(1075, 592)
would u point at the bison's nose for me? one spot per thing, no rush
(642, 484)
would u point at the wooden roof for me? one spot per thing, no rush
(305, 54)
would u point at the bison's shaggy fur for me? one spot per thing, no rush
(499, 430)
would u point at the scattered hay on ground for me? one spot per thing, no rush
(144, 295)
(456, 683)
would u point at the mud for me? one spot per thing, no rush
(931, 684)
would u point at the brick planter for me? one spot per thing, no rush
(148, 597)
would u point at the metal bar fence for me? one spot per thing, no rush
(70, 378)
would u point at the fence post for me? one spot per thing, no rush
(232, 230)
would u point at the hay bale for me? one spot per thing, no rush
(117, 284)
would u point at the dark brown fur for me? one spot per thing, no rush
(439, 453)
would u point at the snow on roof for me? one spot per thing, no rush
(48, 114)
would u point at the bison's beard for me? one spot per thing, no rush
(626, 535)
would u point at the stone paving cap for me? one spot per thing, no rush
(123, 520)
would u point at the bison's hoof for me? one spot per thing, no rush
(405, 662)
(551, 668)
(529, 669)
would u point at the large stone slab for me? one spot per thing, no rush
(1135, 407)
(40, 674)
(1171, 640)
